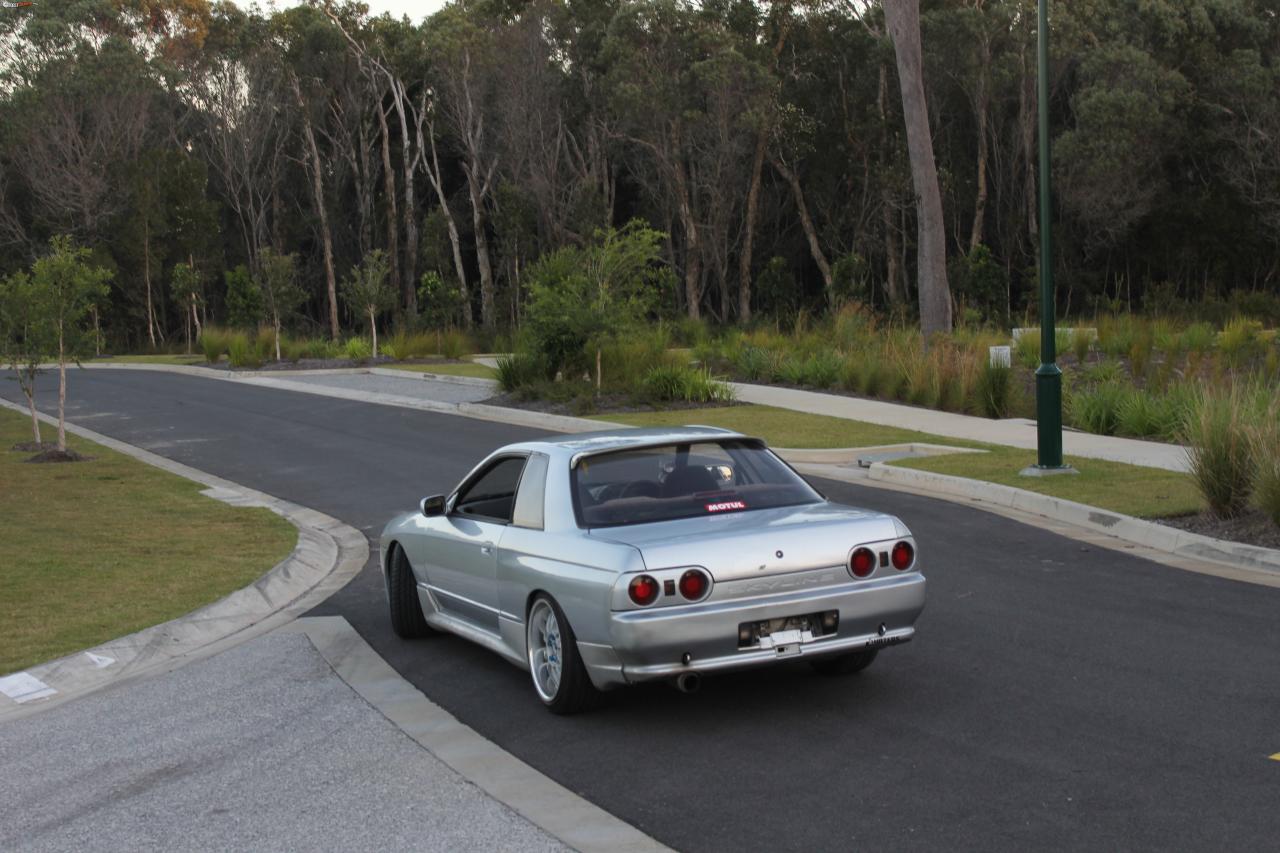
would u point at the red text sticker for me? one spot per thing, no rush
(725, 506)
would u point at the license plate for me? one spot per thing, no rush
(786, 643)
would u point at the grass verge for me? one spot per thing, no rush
(1129, 489)
(90, 551)
(448, 368)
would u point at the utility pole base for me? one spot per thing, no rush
(1037, 471)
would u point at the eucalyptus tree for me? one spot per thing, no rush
(24, 336)
(902, 18)
(369, 292)
(67, 285)
(277, 281)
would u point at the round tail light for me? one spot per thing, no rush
(902, 556)
(694, 584)
(643, 590)
(862, 563)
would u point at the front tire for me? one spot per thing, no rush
(559, 677)
(402, 596)
(845, 664)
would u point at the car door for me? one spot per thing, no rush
(464, 559)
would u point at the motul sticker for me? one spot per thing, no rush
(725, 506)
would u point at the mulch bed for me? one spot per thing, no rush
(1253, 528)
(303, 364)
(53, 454)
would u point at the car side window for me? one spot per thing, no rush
(492, 495)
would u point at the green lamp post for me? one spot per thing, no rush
(1048, 375)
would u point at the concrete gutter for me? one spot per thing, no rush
(539, 799)
(328, 554)
(1160, 537)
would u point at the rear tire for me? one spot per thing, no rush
(559, 677)
(402, 596)
(845, 664)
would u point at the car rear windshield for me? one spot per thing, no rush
(683, 481)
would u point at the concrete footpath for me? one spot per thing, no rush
(262, 747)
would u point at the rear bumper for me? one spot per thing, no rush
(653, 644)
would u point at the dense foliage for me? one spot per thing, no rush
(764, 140)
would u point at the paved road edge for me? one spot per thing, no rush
(1250, 561)
(535, 796)
(328, 554)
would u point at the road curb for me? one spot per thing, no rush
(1158, 537)
(328, 554)
(538, 798)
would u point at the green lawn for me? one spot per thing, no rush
(1129, 489)
(90, 551)
(448, 368)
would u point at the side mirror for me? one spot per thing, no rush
(432, 506)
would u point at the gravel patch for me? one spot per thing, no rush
(1253, 528)
(260, 748)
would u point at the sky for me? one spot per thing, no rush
(415, 9)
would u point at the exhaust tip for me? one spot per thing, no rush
(688, 682)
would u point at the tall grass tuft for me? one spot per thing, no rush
(1098, 410)
(681, 382)
(519, 370)
(213, 343)
(1239, 341)
(1265, 438)
(357, 349)
(241, 352)
(454, 344)
(753, 363)
(993, 391)
(1221, 451)
(1027, 349)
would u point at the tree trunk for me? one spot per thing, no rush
(982, 100)
(482, 249)
(903, 19)
(692, 247)
(393, 217)
(806, 222)
(891, 273)
(31, 404)
(455, 242)
(62, 392)
(277, 336)
(317, 195)
(749, 227)
(373, 329)
(146, 277)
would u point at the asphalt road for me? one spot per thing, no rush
(1057, 696)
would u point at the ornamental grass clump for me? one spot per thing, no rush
(1239, 341)
(519, 370)
(1265, 438)
(213, 343)
(670, 382)
(1221, 451)
(752, 363)
(357, 349)
(1098, 410)
(454, 344)
(992, 394)
(241, 352)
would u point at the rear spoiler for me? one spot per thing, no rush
(659, 441)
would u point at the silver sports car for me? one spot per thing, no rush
(610, 558)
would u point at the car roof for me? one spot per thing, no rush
(576, 445)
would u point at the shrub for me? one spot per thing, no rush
(1081, 341)
(821, 370)
(1027, 349)
(213, 343)
(241, 352)
(1220, 452)
(1098, 410)
(1239, 341)
(1197, 338)
(519, 370)
(680, 382)
(753, 363)
(357, 349)
(319, 348)
(993, 390)
(454, 344)
(1265, 438)
(244, 300)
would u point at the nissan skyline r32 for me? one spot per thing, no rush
(604, 559)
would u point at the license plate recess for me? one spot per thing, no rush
(785, 635)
